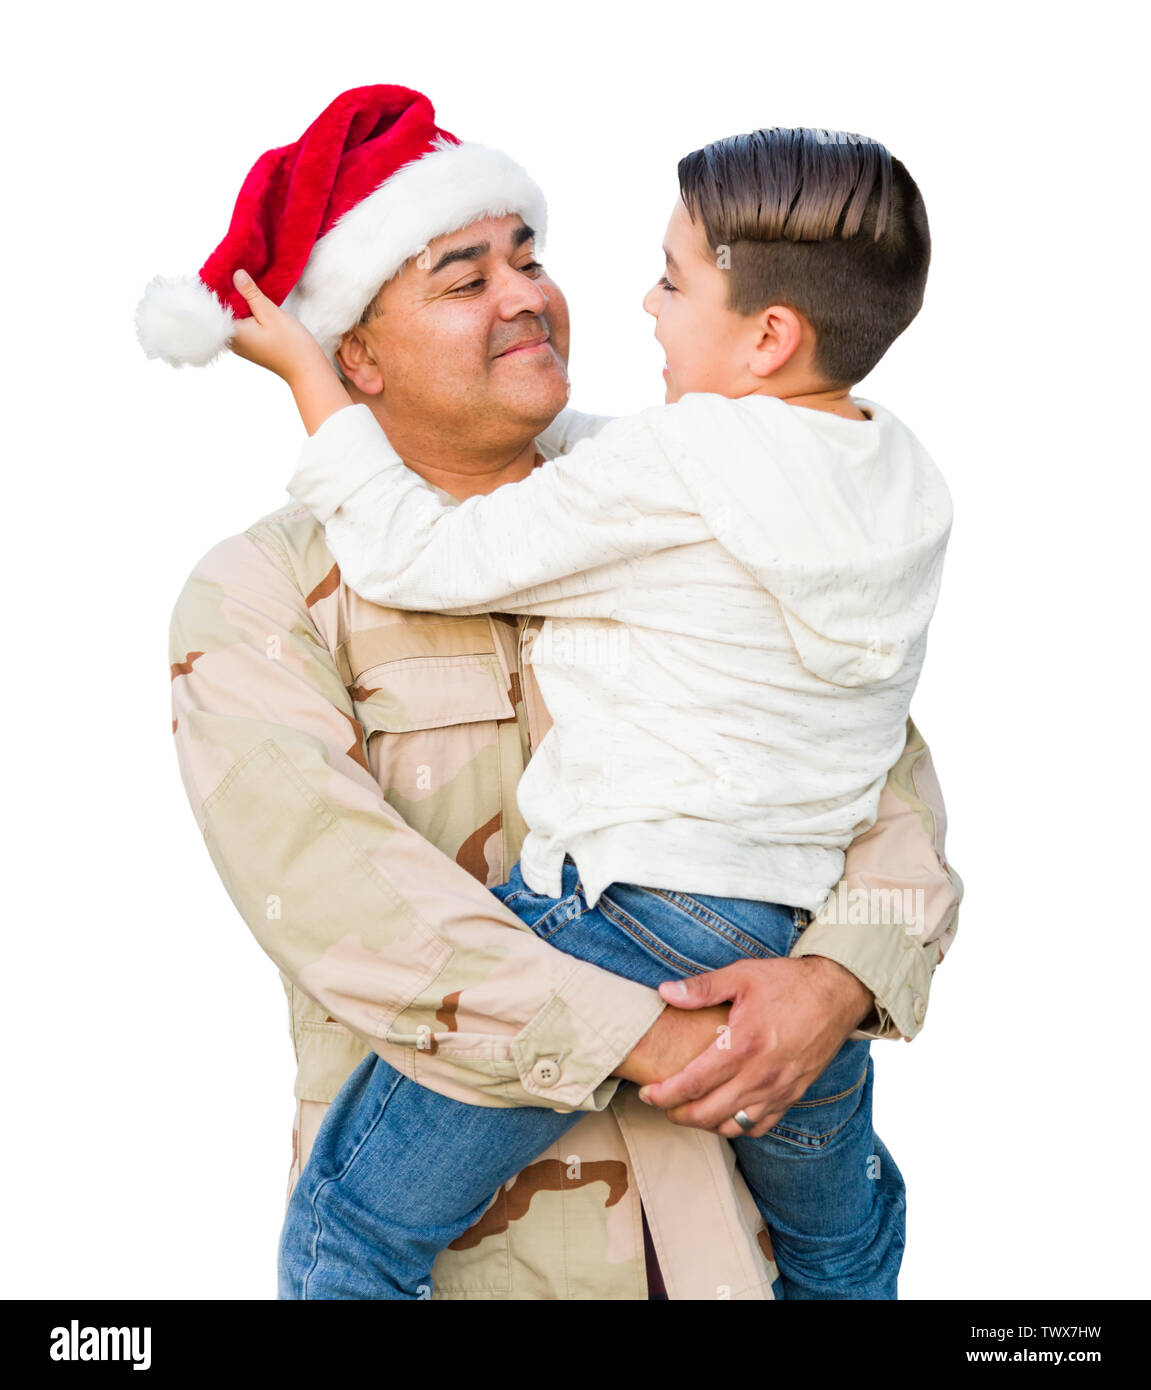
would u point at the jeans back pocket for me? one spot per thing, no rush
(831, 1100)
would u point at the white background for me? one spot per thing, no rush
(147, 1064)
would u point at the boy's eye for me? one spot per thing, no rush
(665, 283)
(532, 267)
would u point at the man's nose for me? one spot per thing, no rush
(521, 295)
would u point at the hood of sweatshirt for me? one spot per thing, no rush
(844, 522)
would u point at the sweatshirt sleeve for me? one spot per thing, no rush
(567, 530)
(357, 909)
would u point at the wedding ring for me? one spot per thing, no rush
(743, 1120)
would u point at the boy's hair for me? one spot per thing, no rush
(821, 220)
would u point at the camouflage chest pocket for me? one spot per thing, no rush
(431, 695)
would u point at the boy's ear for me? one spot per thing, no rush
(358, 365)
(779, 332)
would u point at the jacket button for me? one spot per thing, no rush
(918, 1008)
(546, 1072)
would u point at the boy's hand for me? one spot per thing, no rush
(272, 337)
(675, 1039)
(275, 339)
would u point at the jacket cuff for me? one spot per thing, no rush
(581, 1035)
(347, 450)
(890, 959)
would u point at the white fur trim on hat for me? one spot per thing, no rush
(182, 321)
(440, 192)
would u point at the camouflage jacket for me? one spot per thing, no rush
(353, 771)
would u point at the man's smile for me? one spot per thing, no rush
(527, 345)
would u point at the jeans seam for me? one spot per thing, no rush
(826, 1100)
(614, 913)
(314, 1197)
(553, 911)
(692, 908)
(733, 938)
(814, 1140)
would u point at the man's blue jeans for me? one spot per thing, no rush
(398, 1172)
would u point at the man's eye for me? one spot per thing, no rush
(471, 285)
(665, 283)
(532, 267)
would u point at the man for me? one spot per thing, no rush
(353, 768)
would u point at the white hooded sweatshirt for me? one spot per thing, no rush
(738, 593)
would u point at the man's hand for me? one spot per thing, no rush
(789, 1017)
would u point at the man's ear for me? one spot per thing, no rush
(355, 359)
(779, 332)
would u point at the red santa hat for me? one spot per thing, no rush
(323, 223)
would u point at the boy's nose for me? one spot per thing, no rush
(651, 301)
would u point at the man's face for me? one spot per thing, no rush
(704, 341)
(471, 336)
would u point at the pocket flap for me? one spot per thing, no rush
(425, 673)
(416, 635)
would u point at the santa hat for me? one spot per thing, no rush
(323, 223)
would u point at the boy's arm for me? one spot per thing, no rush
(277, 340)
(357, 909)
(894, 913)
(525, 545)
(565, 531)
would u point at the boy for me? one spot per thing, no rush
(693, 800)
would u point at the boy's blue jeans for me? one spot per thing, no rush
(397, 1172)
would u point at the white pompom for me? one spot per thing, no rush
(183, 322)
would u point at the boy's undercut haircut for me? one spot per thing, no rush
(821, 220)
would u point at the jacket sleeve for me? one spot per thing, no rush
(567, 530)
(893, 915)
(358, 910)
